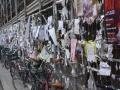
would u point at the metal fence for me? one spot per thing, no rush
(9, 11)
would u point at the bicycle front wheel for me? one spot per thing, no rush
(12, 68)
(7, 64)
(17, 82)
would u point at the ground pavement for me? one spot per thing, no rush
(6, 80)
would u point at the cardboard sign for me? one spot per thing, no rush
(112, 21)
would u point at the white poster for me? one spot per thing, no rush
(78, 7)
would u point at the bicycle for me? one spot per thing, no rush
(12, 65)
(17, 72)
(5, 57)
(107, 87)
(40, 85)
(41, 76)
(23, 72)
(9, 58)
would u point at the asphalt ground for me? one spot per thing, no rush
(6, 80)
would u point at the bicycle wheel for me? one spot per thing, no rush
(23, 79)
(17, 80)
(1, 60)
(40, 82)
(3, 63)
(38, 86)
(7, 64)
(12, 68)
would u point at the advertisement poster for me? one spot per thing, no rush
(112, 21)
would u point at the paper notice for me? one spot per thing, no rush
(78, 7)
(105, 69)
(76, 28)
(90, 52)
(60, 25)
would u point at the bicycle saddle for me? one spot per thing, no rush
(58, 85)
(56, 60)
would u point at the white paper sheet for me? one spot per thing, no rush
(94, 10)
(53, 35)
(63, 31)
(67, 40)
(90, 83)
(46, 32)
(80, 8)
(60, 25)
(65, 13)
(67, 53)
(41, 34)
(63, 43)
(45, 55)
(105, 69)
(91, 58)
(90, 51)
(76, 28)
(37, 33)
(49, 20)
(34, 31)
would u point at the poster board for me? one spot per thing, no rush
(112, 21)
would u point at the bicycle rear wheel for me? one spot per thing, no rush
(38, 86)
(40, 83)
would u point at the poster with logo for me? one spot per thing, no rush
(112, 21)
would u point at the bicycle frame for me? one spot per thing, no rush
(110, 87)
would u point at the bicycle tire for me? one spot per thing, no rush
(17, 81)
(7, 64)
(1, 61)
(12, 67)
(38, 86)
(23, 79)
(14, 79)
(39, 83)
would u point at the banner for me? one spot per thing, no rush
(112, 20)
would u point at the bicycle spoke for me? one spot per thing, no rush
(17, 82)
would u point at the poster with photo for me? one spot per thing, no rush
(112, 21)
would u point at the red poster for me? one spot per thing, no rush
(112, 20)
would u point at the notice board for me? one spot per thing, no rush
(112, 21)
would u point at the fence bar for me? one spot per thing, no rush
(10, 9)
